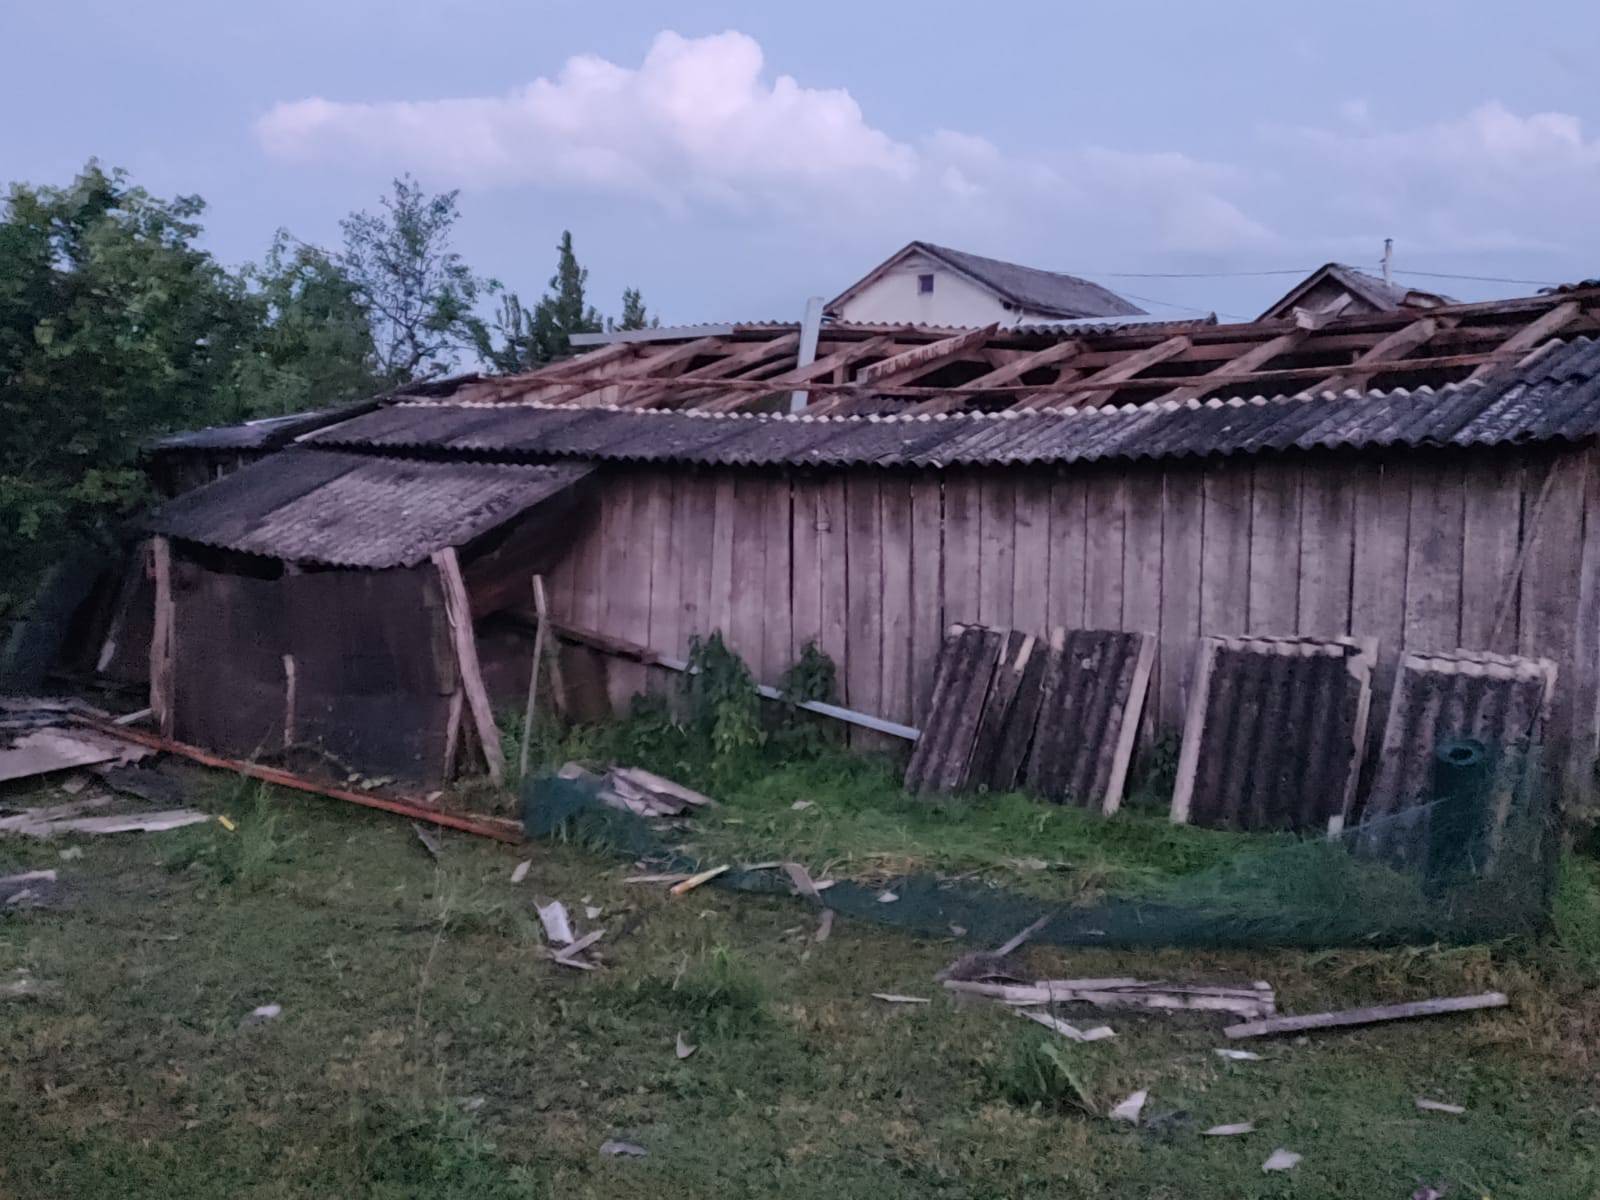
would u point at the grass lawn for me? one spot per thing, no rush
(427, 1047)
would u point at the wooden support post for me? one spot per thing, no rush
(289, 699)
(161, 682)
(810, 329)
(458, 611)
(452, 734)
(540, 640)
(541, 607)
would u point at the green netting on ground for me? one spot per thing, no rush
(1474, 864)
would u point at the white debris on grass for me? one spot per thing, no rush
(521, 871)
(1230, 1130)
(1439, 1106)
(1281, 1160)
(1130, 1108)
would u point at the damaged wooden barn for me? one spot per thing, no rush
(1385, 484)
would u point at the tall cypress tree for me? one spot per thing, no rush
(564, 310)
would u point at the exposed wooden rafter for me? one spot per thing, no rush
(1529, 336)
(909, 364)
(640, 368)
(745, 359)
(1235, 368)
(819, 369)
(1395, 345)
(1120, 371)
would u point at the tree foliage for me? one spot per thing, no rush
(419, 292)
(113, 327)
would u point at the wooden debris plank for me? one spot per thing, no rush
(1367, 1016)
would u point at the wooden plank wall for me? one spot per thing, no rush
(1417, 551)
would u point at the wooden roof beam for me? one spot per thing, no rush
(742, 360)
(824, 366)
(1011, 372)
(1388, 348)
(909, 364)
(1251, 360)
(1117, 372)
(645, 365)
(1531, 335)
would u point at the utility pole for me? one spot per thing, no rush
(1388, 253)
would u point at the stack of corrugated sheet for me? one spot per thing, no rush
(1499, 699)
(1274, 733)
(1060, 715)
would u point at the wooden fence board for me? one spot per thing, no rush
(1274, 539)
(667, 551)
(1327, 552)
(961, 540)
(863, 665)
(1104, 530)
(1181, 516)
(806, 596)
(1433, 557)
(777, 606)
(894, 498)
(1491, 533)
(1550, 584)
(927, 590)
(1068, 546)
(1225, 552)
(719, 608)
(746, 627)
(832, 559)
(1031, 561)
(997, 525)
(697, 507)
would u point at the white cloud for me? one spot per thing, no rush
(698, 124)
(1491, 180)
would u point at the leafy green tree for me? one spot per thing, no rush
(313, 343)
(514, 346)
(564, 310)
(634, 315)
(114, 327)
(419, 292)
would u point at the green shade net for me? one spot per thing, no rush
(1484, 869)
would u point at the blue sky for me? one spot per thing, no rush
(730, 159)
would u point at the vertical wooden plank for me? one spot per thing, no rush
(894, 499)
(1550, 586)
(778, 606)
(1579, 785)
(1225, 550)
(616, 580)
(1491, 533)
(1030, 607)
(1274, 549)
(666, 567)
(1181, 514)
(745, 632)
(806, 594)
(1327, 549)
(1433, 556)
(724, 531)
(961, 549)
(833, 573)
(927, 589)
(1377, 582)
(1142, 550)
(697, 504)
(588, 569)
(1064, 608)
(863, 665)
(1105, 512)
(161, 639)
(997, 533)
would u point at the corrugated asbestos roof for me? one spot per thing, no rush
(1274, 733)
(1554, 398)
(267, 433)
(355, 510)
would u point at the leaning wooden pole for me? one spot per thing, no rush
(533, 675)
(161, 683)
(458, 611)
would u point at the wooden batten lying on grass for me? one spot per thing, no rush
(1275, 733)
(1255, 1001)
(1367, 1016)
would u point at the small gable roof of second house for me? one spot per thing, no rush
(1049, 293)
(1368, 293)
